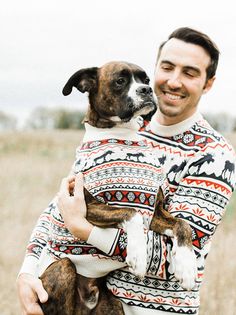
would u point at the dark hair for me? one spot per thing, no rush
(192, 36)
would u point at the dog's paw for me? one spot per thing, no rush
(137, 265)
(136, 257)
(184, 265)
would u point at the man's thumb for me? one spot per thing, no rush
(41, 292)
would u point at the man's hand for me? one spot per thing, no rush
(73, 208)
(30, 291)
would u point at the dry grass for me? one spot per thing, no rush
(32, 165)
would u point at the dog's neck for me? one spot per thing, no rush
(124, 131)
(95, 119)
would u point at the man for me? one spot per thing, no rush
(199, 164)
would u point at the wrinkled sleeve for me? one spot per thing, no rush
(37, 242)
(203, 194)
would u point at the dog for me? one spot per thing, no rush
(118, 93)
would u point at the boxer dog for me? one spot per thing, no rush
(118, 93)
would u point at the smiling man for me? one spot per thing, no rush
(195, 158)
(180, 79)
(200, 172)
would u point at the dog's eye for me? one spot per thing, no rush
(120, 81)
(146, 81)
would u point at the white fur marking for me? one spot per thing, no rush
(92, 302)
(132, 93)
(183, 265)
(168, 232)
(137, 245)
(115, 118)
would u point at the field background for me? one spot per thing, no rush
(32, 165)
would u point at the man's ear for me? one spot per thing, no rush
(84, 80)
(208, 84)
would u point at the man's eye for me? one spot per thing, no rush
(166, 68)
(190, 74)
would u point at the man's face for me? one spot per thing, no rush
(180, 80)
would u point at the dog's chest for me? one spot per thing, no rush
(120, 172)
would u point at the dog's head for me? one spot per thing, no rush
(118, 91)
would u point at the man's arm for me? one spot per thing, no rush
(29, 287)
(202, 196)
(37, 242)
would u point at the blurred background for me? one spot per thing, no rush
(42, 44)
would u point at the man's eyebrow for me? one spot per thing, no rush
(191, 68)
(168, 62)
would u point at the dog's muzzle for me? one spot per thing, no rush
(144, 91)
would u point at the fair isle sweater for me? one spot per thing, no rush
(200, 168)
(120, 169)
(199, 165)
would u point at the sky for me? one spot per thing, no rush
(44, 42)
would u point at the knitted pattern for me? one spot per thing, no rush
(199, 164)
(116, 172)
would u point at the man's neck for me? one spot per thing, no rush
(165, 120)
(174, 129)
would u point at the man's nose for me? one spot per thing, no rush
(174, 81)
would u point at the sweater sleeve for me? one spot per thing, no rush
(113, 242)
(203, 193)
(37, 242)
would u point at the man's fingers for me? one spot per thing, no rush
(30, 290)
(41, 292)
(79, 187)
(79, 194)
(33, 308)
(65, 185)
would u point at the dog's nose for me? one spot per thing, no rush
(144, 90)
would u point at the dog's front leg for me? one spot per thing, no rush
(136, 245)
(104, 215)
(183, 263)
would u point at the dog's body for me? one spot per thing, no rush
(115, 162)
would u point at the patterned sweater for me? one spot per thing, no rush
(199, 164)
(120, 169)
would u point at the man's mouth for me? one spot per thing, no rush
(173, 97)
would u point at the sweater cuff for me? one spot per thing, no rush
(104, 239)
(30, 266)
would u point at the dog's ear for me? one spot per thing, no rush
(84, 80)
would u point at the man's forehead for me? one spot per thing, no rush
(184, 54)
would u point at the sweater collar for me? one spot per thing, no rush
(125, 131)
(173, 130)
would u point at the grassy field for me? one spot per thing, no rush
(32, 165)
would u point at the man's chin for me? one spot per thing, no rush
(169, 111)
